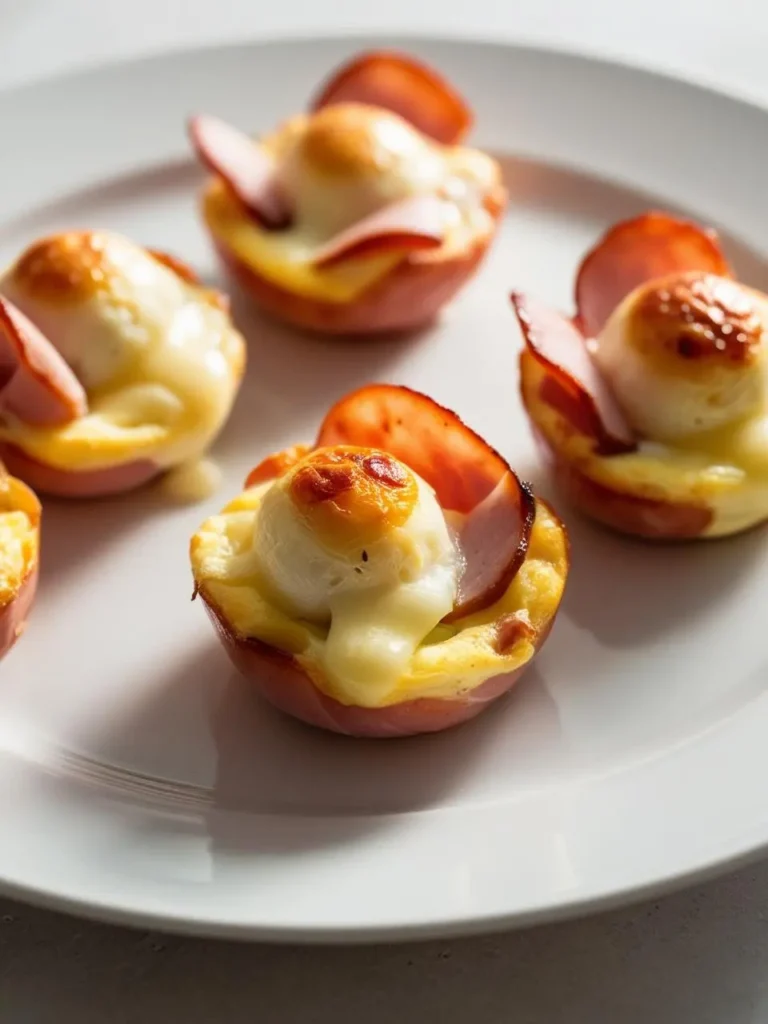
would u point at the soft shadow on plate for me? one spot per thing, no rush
(76, 531)
(198, 744)
(625, 591)
(542, 186)
(293, 377)
(270, 763)
(66, 211)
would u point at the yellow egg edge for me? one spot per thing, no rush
(77, 447)
(238, 233)
(458, 657)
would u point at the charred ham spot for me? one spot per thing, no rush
(7, 372)
(688, 348)
(385, 470)
(314, 484)
(510, 630)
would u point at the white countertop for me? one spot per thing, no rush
(695, 958)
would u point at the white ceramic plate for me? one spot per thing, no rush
(140, 780)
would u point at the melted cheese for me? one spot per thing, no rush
(192, 481)
(380, 573)
(18, 551)
(337, 166)
(448, 662)
(158, 356)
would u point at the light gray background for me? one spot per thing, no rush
(699, 957)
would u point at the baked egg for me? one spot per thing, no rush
(670, 351)
(339, 586)
(364, 214)
(154, 354)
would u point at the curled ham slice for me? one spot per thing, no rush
(36, 384)
(277, 464)
(405, 86)
(494, 512)
(636, 251)
(572, 383)
(245, 166)
(408, 225)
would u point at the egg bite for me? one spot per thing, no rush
(116, 364)
(394, 578)
(651, 403)
(19, 554)
(364, 214)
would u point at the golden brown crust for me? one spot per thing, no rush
(352, 495)
(343, 142)
(73, 266)
(66, 268)
(696, 318)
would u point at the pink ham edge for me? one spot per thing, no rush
(91, 483)
(403, 85)
(634, 252)
(244, 165)
(557, 342)
(490, 509)
(37, 386)
(485, 541)
(14, 613)
(279, 679)
(409, 225)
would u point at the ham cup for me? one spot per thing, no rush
(116, 364)
(393, 579)
(365, 214)
(651, 402)
(19, 549)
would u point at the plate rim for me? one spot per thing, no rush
(96, 68)
(115, 911)
(119, 914)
